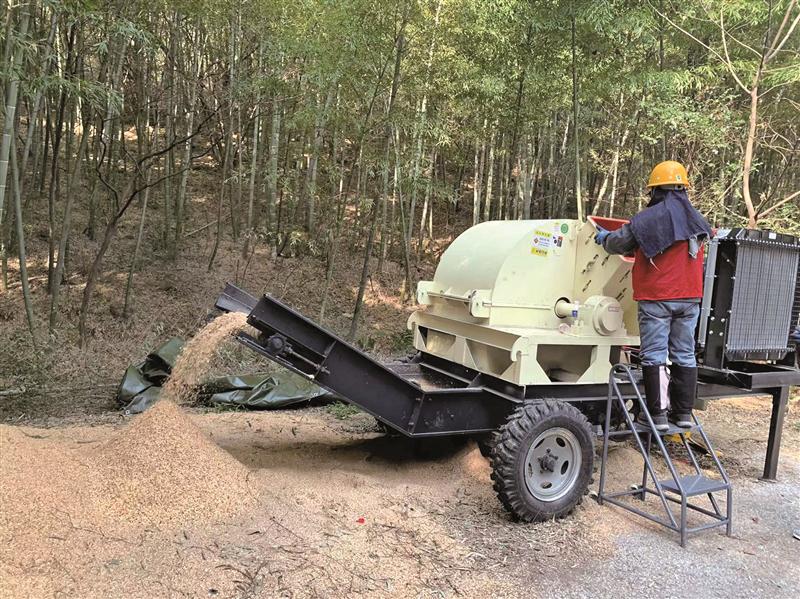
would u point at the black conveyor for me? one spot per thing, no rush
(302, 346)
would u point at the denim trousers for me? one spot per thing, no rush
(667, 330)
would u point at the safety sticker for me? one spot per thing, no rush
(542, 240)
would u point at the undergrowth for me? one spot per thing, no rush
(342, 410)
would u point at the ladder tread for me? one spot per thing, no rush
(672, 430)
(695, 484)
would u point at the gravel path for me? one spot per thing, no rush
(761, 560)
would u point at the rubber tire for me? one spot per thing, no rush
(486, 444)
(515, 437)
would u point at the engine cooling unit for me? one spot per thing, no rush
(750, 304)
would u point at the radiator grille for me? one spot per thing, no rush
(762, 302)
(796, 309)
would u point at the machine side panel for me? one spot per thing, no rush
(536, 273)
(600, 273)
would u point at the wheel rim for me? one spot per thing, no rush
(553, 464)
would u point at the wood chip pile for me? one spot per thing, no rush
(160, 471)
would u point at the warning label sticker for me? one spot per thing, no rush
(542, 241)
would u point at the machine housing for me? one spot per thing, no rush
(529, 302)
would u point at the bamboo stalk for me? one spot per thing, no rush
(9, 124)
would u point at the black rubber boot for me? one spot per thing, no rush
(655, 379)
(683, 391)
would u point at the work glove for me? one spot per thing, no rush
(601, 235)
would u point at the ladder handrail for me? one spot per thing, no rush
(711, 451)
(615, 386)
(625, 368)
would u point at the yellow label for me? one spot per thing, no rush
(541, 243)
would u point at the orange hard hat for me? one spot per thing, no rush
(668, 172)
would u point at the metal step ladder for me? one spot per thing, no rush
(676, 489)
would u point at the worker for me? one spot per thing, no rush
(666, 239)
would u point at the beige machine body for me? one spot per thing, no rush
(531, 302)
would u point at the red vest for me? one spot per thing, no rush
(671, 275)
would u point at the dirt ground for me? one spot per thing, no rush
(299, 503)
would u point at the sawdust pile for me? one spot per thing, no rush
(306, 508)
(161, 471)
(100, 515)
(197, 355)
(99, 512)
(170, 472)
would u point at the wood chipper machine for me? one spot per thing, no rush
(514, 341)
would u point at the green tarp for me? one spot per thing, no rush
(141, 385)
